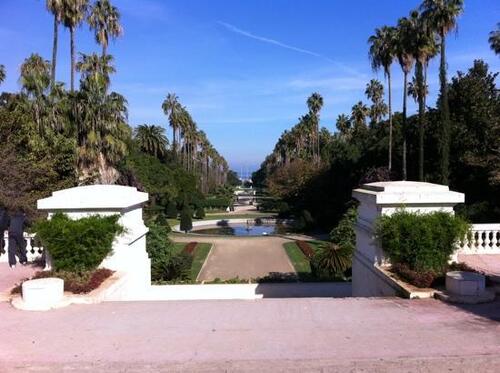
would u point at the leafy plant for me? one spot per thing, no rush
(331, 261)
(344, 234)
(424, 242)
(200, 213)
(78, 245)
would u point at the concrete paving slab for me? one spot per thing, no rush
(265, 335)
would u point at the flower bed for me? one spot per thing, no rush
(76, 283)
(305, 248)
(190, 248)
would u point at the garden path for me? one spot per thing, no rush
(10, 277)
(242, 257)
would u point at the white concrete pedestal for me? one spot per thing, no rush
(465, 283)
(43, 293)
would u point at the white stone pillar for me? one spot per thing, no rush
(384, 198)
(129, 257)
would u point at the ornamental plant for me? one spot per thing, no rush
(78, 245)
(186, 220)
(422, 242)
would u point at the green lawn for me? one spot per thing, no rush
(200, 255)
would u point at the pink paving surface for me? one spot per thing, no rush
(486, 263)
(266, 335)
(10, 277)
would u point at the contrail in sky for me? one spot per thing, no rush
(271, 41)
(263, 39)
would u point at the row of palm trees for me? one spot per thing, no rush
(190, 146)
(413, 42)
(102, 18)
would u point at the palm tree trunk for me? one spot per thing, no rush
(421, 113)
(54, 54)
(72, 47)
(405, 89)
(390, 117)
(104, 50)
(444, 148)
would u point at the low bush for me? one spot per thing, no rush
(344, 234)
(200, 213)
(166, 265)
(306, 249)
(171, 210)
(78, 245)
(423, 242)
(331, 261)
(421, 279)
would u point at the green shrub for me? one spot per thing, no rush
(166, 265)
(186, 220)
(331, 261)
(78, 245)
(171, 210)
(200, 213)
(424, 242)
(344, 234)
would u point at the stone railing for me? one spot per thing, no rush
(484, 239)
(33, 252)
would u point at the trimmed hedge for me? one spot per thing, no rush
(423, 242)
(78, 245)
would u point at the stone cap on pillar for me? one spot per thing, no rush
(409, 193)
(94, 197)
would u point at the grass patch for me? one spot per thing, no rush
(200, 255)
(298, 259)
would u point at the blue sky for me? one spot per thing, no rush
(244, 69)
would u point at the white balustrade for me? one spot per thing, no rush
(484, 239)
(33, 252)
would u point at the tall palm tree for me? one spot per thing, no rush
(55, 7)
(172, 108)
(72, 15)
(35, 80)
(343, 125)
(442, 16)
(151, 139)
(423, 49)
(382, 53)
(358, 117)
(315, 103)
(375, 92)
(95, 69)
(494, 40)
(104, 19)
(404, 54)
(2, 73)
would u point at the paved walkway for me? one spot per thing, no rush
(292, 335)
(9, 277)
(243, 257)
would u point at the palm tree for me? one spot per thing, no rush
(2, 73)
(382, 54)
(104, 19)
(343, 125)
(441, 16)
(55, 7)
(72, 14)
(375, 92)
(358, 117)
(95, 69)
(35, 80)
(494, 39)
(172, 108)
(424, 48)
(315, 103)
(404, 54)
(151, 139)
